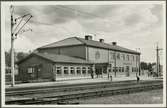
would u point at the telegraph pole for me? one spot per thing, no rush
(12, 49)
(157, 59)
(13, 37)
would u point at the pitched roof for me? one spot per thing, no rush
(81, 41)
(57, 58)
(65, 42)
(105, 45)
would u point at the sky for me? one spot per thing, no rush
(134, 26)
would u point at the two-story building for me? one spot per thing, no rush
(78, 57)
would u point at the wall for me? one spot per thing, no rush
(75, 51)
(97, 55)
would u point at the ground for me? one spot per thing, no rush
(147, 97)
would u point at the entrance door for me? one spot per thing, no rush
(127, 71)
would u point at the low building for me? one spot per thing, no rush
(75, 57)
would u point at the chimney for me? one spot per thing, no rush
(88, 37)
(101, 40)
(114, 43)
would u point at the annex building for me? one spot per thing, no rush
(77, 57)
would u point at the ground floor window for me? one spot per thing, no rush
(30, 70)
(120, 69)
(89, 70)
(78, 70)
(58, 70)
(105, 70)
(83, 70)
(116, 69)
(65, 70)
(72, 70)
(113, 69)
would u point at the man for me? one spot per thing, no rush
(137, 78)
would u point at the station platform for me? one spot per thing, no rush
(78, 81)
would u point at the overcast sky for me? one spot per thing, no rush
(130, 25)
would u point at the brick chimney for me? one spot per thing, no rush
(114, 43)
(88, 37)
(101, 40)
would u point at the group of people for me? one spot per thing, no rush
(109, 75)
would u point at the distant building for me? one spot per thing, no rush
(78, 57)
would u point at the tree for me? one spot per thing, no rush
(18, 57)
(143, 65)
(21, 55)
(150, 67)
(7, 58)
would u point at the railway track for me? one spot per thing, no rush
(75, 87)
(57, 97)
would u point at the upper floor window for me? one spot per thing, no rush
(118, 55)
(133, 57)
(127, 57)
(123, 56)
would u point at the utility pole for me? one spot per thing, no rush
(12, 49)
(138, 60)
(157, 59)
(13, 37)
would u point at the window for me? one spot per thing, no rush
(118, 56)
(123, 56)
(65, 70)
(112, 55)
(30, 70)
(72, 70)
(113, 69)
(83, 70)
(122, 69)
(78, 70)
(119, 69)
(133, 57)
(58, 70)
(116, 69)
(89, 70)
(132, 69)
(127, 57)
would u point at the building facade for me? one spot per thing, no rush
(86, 56)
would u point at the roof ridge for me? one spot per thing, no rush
(78, 38)
(55, 42)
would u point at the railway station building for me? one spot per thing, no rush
(77, 57)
